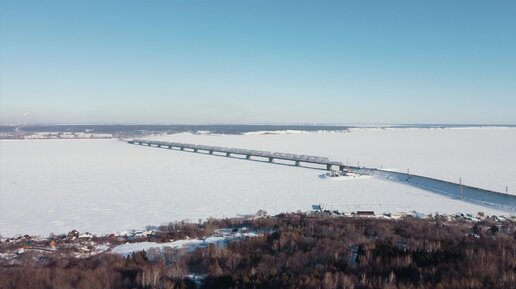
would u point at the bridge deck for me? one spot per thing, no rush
(239, 151)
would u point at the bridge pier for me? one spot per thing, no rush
(248, 154)
(341, 168)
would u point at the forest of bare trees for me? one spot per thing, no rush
(301, 251)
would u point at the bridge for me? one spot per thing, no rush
(270, 156)
(471, 194)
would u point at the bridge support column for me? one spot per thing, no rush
(195, 150)
(341, 168)
(211, 152)
(248, 157)
(271, 160)
(328, 167)
(228, 154)
(182, 148)
(297, 163)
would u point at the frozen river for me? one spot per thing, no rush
(107, 186)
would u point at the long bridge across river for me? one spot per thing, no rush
(270, 156)
(457, 190)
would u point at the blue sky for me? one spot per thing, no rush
(232, 61)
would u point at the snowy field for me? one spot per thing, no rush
(104, 186)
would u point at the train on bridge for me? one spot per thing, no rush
(270, 156)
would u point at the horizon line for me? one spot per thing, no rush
(257, 124)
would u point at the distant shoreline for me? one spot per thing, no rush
(126, 131)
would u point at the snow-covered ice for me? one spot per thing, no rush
(483, 157)
(104, 186)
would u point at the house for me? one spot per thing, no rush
(397, 215)
(53, 244)
(85, 236)
(72, 235)
(366, 214)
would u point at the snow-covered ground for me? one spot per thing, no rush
(104, 186)
(221, 238)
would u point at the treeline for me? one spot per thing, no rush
(104, 271)
(301, 251)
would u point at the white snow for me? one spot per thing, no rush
(129, 248)
(289, 131)
(104, 186)
(188, 244)
(483, 157)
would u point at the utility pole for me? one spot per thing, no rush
(461, 189)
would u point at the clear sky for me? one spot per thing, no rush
(235, 61)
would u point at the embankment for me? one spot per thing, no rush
(475, 195)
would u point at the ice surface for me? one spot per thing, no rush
(104, 186)
(483, 157)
